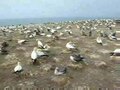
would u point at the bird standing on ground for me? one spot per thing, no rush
(34, 55)
(18, 68)
(40, 44)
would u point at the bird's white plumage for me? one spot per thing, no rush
(40, 44)
(53, 31)
(57, 72)
(70, 45)
(117, 51)
(72, 58)
(112, 37)
(34, 54)
(99, 40)
(21, 41)
(18, 67)
(48, 35)
(40, 53)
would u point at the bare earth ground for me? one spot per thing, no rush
(89, 75)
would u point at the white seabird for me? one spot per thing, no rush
(116, 52)
(34, 55)
(58, 27)
(18, 68)
(70, 45)
(21, 41)
(40, 44)
(111, 37)
(76, 58)
(60, 71)
(99, 40)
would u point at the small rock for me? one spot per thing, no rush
(47, 67)
(60, 80)
(94, 56)
(75, 65)
(100, 64)
(29, 83)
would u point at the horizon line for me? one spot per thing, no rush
(92, 17)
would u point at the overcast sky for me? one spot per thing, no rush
(58, 8)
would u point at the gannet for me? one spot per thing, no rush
(34, 55)
(76, 58)
(99, 40)
(21, 41)
(70, 45)
(46, 47)
(18, 68)
(60, 71)
(116, 52)
(53, 31)
(40, 44)
(112, 37)
(58, 27)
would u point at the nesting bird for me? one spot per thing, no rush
(60, 71)
(76, 58)
(18, 68)
(99, 40)
(112, 37)
(21, 41)
(116, 52)
(70, 46)
(53, 31)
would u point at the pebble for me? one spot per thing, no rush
(47, 67)
(75, 65)
(100, 64)
(95, 56)
(60, 80)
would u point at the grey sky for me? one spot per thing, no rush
(59, 8)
